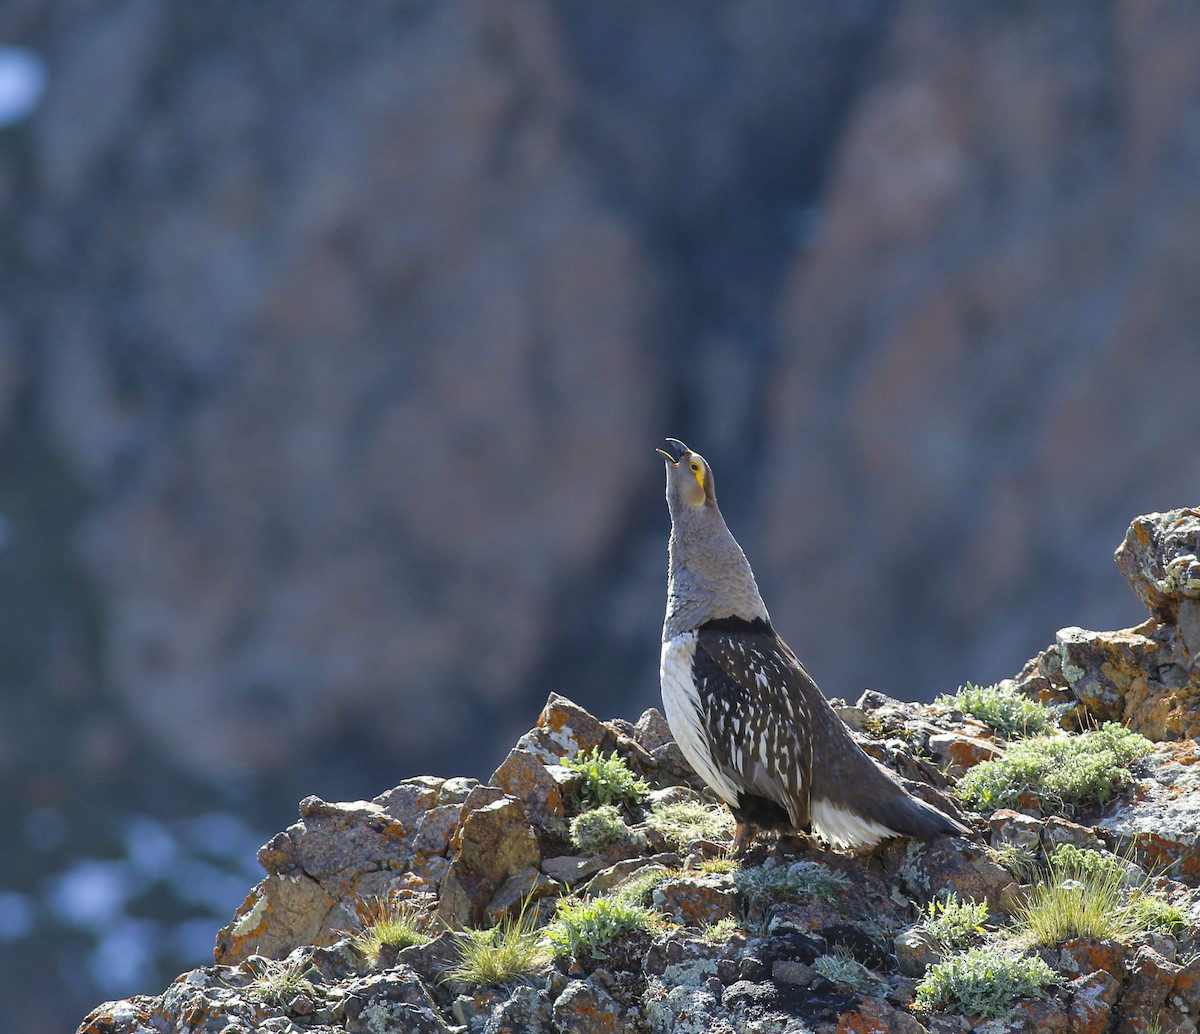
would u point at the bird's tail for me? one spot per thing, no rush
(855, 802)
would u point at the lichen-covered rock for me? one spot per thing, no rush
(916, 949)
(279, 914)
(394, 1001)
(1148, 677)
(525, 776)
(697, 900)
(1092, 997)
(952, 865)
(584, 1008)
(494, 842)
(1151, 978)
(872, 1016)
(1015, 828)
(335, 856)
(1158, 558)
(960, 751)
(1163, 810)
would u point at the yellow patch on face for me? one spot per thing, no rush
(697, 468)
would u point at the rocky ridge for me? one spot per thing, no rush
(790, 938)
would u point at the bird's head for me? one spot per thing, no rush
(689, 479)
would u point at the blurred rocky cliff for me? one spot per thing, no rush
(350, 335)
(335, 341)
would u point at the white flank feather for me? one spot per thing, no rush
(843, 828)
(681, 705)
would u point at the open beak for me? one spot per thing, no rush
(675, 443)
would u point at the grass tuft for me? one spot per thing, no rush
(717, 866)
(508, 953)
(586, 928)
(1011, 714)
(1020, 862)
(1066, 772)
(282, 981)
(390, 921)
(638, 888)
(983, 982)
(1088, 893)
(606, 780)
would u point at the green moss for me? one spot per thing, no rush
(773, 882)
(607, 780)
(686, 821)
(1013, 715)
(1065, 772)
(983, 982)
(586, 928)
(954, 922)
(594, 830)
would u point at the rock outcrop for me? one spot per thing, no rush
(1146, 677)
(791, 937)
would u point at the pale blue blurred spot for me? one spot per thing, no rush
(22, 83)
(91, 894)
(16, 916)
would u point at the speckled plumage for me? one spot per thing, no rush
(745, 713)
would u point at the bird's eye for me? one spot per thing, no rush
(696, 467)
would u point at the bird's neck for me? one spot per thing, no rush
(708, 577)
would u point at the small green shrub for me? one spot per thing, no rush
(954, 923)
(849, 974)
(390, 921)
(594, 830)
(685, 821)
(773, 882)
(586, 928)
(983, 982)
(1066, 772)
(607, 780)
(510, 952)
(1069, 860)
(1151, 911)
(1013, 715)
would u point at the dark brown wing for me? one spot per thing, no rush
(757, 705)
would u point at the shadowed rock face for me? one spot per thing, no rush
(359, 329)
